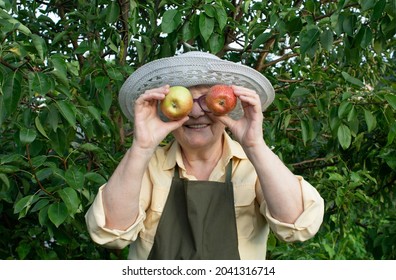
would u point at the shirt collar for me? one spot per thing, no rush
(231, 149)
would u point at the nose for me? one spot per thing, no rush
(196, 111)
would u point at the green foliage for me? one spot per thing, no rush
(62, 63)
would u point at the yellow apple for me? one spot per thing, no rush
(178, 103)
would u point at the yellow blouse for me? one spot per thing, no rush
(253, 218)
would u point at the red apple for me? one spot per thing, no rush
(221, 99)
(177, 104)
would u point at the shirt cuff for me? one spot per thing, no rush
(307, 224)
(110, 238)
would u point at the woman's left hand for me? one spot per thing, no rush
(248, 130)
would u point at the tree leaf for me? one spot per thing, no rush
(326, 40)
(113, 12)
(371, 121)
(379, 9)
(261, 39)
(298, 92)
(68, 111)
(391, 98)
(206, 26)
(57, 213)
(12, 91)
(344, 108)
(70, 198)
(60, 69)
(95, 177)
(221, 16)
(40, 127)
(74, 178)
(349, 24)
(27, 135)
(344, 136)
(17, 24)
(367, 38)
(308, 38)
(40, 45)
(24, 202)
(170, 21)
(352, 80)
(39, 83)
(216, 42)
(305, 130)
(101, 82)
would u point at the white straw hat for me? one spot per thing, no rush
(191, 69)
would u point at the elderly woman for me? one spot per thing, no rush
(205, 195)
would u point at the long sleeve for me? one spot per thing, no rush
(307, 224)
(110, 238)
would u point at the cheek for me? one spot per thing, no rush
(218, 128)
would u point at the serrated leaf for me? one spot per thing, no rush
(57, 213)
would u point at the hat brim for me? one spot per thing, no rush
(191, 69)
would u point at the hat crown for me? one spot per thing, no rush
(198, 54)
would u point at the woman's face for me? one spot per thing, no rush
(200, 130)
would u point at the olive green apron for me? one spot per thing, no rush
(198, 221)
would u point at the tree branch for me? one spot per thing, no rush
(284, 57)
(124, 10)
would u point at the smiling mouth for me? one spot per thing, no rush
(197, 126)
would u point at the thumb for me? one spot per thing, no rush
(177, 123)
(227, 121)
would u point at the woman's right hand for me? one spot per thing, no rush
(149, 129)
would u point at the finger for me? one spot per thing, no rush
(177, 123)
(226, 120)
(153, 94)
(238, 90)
